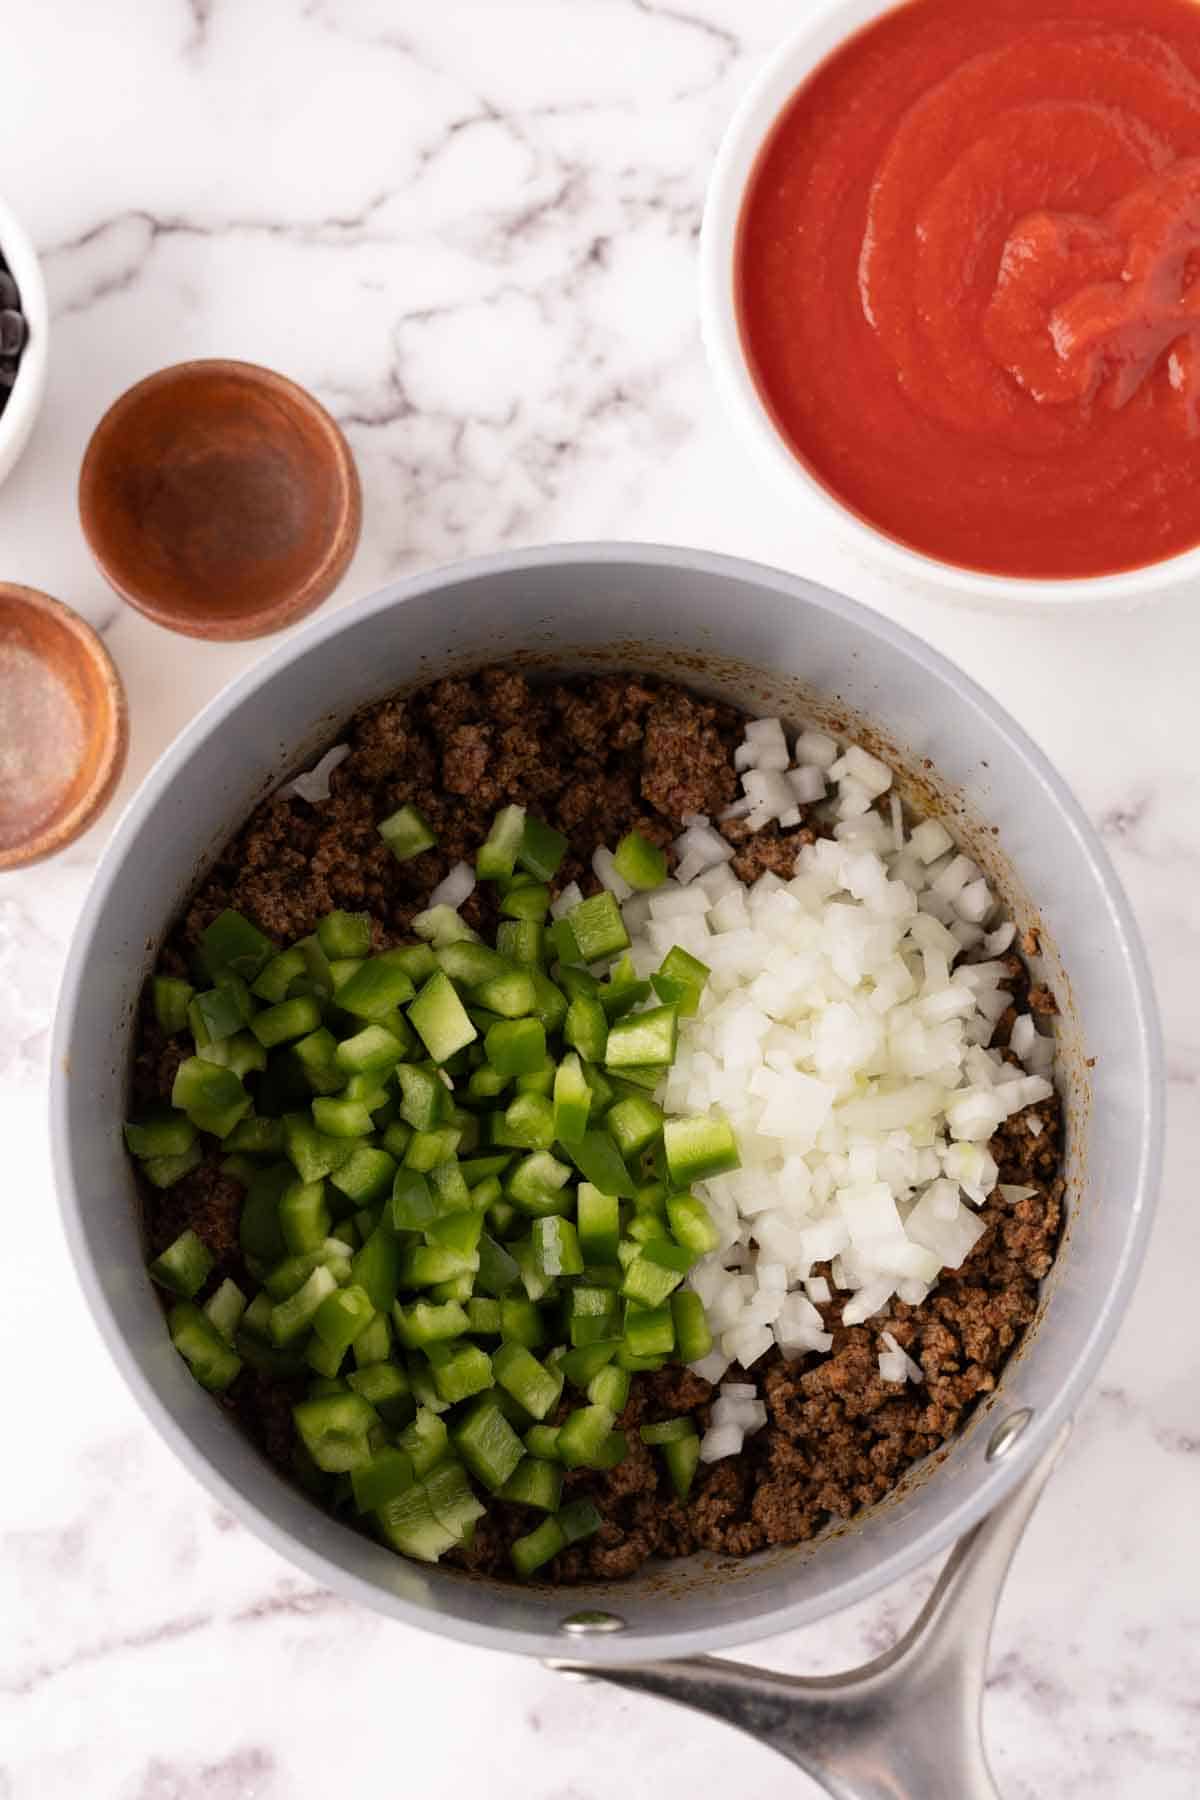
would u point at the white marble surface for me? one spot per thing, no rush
(471, 229)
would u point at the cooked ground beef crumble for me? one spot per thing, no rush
(596, 757)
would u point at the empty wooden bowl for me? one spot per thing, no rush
(63, 726)
(220, 499)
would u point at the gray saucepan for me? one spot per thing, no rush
(773, 643)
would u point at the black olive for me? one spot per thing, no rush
(12, 332)
(8, 372)
(8, 290)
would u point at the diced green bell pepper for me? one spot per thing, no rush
(598, 928)
(583, 1435)
(693, 1339)
(609, 1387)
(641, 1039)
(487, 1443)
(459, 1370)
(211, 1359)
(292, 1317)
(642, 864)
(231, 945)
(225, 1309)
(336, 1431)
(161, 1132)
(600, 1162)
(682, 1457)
(520, 1374)
(184, 1266)
(406, 833)
(634, 1122)
(649, 1331)
(528, 1553)
(541, 849)
(497, 855)
(535, 1482)
(303, 1216)
(341, 1118)
(169, 996)
(340, 1318)
(578, 1521)
(366, 1174)
(290, 1019)
(515, 1046)
(699, 1147)
(439, 1018)
(586, 1028)
(572, 1100)
(426, 1441)
(345, 934)
(656, 1273)
(521, 1322)
(376, 1267)
(386, 1476)
(420, 1325)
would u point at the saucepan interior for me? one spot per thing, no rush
(769, 642)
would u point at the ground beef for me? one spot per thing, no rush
(596, 758)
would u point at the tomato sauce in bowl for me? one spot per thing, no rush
(968, 281)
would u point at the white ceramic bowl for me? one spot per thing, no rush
(16, 421)
(829, 24)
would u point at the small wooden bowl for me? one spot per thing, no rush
(63, 726)
(220, 499)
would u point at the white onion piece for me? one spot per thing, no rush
(807, 784)
(726, 1440)
(313, 786)
(571, 895)
(606, 873)
(455, 887)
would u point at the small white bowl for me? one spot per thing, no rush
(829, 24)
(16, 421)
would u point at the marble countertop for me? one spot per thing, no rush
(471, 229)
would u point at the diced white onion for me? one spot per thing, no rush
(313, 786)
(455, 887)
(844, 1031)
(605, 871)
(571, 895)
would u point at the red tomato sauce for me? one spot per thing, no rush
(968, 279)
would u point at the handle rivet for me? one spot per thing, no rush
(1007, 1433)
(588, 1624)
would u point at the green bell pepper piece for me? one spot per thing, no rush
(336, 1431)
(212, 1361)
(586, 1028)
(169, 996)
(497, 855)
(598, 928)
(515, 1046)
(520, 1374)
(184, 1266)
(535, 1482)
(231, 945)
(406, 833)
(541, 849)
(440, 1020)
(528, 1553)
(572, 1100)
(488, 1444)
(459, 1370)
(642, 864)
(699, 1147)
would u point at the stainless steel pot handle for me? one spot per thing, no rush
(906, 1726)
